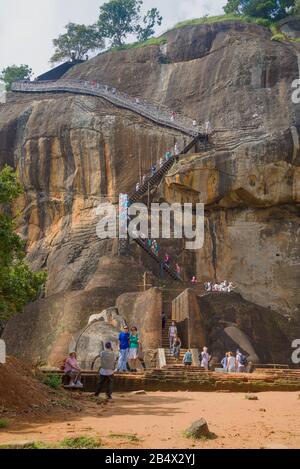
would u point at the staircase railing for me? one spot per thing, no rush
(158, 114)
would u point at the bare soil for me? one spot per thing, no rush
(158, 420)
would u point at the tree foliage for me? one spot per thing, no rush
(15, 73)
(270, 9)
(119, 18)
(78, 40)
(18, 284)
(150, 20)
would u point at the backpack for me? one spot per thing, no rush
(243, 360)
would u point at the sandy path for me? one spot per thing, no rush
(159, 419)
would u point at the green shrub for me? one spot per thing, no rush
(3, 423)
(52, 380)
(80, 442)
(278, 37)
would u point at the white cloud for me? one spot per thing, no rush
(27, 27)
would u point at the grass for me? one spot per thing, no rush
(52, 380)
(132, 437)
(277, 35)
(221, 19)
(3, 423)
(31, 445)
(152, 41)
(80, 442)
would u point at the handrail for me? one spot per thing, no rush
(157, 114)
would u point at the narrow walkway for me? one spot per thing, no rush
(158, 114)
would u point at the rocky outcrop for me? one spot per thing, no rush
(72, 152)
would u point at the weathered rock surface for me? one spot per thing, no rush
(198, 429)
(70, 151)
(227, 322)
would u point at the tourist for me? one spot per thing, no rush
(231, 287)
(124, 348)
(178, 270)
(224, 361)
(154, 247)
(168, 155)
(176, 149)
(194, 123)
(205, 358)
(241, 362)
(176, 347)
(231, 363)
(173, 116)
(172, 334)
(73, 371)
(153, 170)
(133, 349)
(161, 162)
(167, 260)
(208, 128)
(144, 178)
(188, 358)
(106, 372)
(163, 320)
(137, 186)
(194, 280)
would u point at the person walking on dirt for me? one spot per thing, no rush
(106, 373)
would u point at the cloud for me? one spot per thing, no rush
(28, 27)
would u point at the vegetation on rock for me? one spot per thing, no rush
(14, 73)
(118, 18)
(78, 40)
(269, 9)
(18, 284)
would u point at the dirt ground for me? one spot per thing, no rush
(159, 419)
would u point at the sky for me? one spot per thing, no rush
(27, 27)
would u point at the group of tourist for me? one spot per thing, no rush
(225, 286)
(130, 349)
(159, 164)
(234, 363)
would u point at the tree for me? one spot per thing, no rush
(270, 9)
(18, 284)
(233, 6)
(77, 42)
(15, 73)
(118, 18)
(152, 18)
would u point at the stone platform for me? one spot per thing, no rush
(177, 378)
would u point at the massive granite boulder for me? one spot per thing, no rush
(72, 152)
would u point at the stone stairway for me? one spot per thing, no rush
(149, 184)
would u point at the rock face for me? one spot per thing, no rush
(72, 152)
(227, 322)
